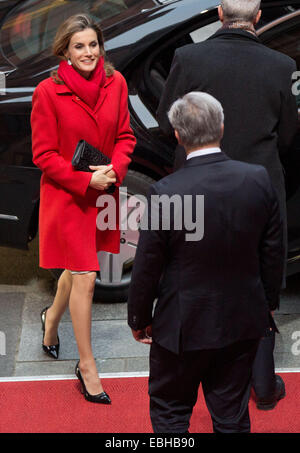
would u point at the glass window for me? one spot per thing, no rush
(203, 33)
(30, 28)
(271, 12)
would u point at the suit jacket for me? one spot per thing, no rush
(218, 290)
(253, 84)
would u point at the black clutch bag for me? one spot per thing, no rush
(85, 155)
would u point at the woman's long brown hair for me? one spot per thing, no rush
(75, 24)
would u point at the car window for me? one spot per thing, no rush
(203, 33)
(30, 28)
(160, 61)
(285, 38)
(271, 12)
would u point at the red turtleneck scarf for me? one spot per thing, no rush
(87, 89)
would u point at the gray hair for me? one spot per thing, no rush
(240, 10)
(198, 118)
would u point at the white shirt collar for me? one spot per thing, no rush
(202, 152)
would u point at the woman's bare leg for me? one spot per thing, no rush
(57, 309)
(80, 306)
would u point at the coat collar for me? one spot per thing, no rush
(206, 159)
(64, 90)
(234, 33)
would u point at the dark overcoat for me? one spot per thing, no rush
(253, 84)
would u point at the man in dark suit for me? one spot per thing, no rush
(214, 289)
(254, 85)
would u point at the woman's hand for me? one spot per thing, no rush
(111, 174)
(102, 177)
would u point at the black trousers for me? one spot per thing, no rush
(225, 375)
(263, 370)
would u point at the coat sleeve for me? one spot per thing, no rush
(125, 140)
(272, 251)
(45, 146)
(148, 267)
(288, 120)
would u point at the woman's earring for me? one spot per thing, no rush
(69, 62)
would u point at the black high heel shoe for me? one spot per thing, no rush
(52, 350)
(101, 398)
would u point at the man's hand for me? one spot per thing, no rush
(102, 177)
(144, 335)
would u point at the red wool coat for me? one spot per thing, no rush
(68, 236)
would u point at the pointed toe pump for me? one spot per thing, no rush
(101, 398)
(53, 350)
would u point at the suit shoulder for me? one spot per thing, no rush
(254, 169)
(189, 50)
(255, 174)
(283, 60)
(166, 183)
(275, 56)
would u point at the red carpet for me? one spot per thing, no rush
(59, 407)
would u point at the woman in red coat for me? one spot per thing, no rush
(85, 99)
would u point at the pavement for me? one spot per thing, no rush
(114, 348)
(25, 290)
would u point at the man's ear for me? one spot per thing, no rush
(177, 137)
(257, 18)
(221, 14)
(222, 131)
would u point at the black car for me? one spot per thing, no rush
(141, 36)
